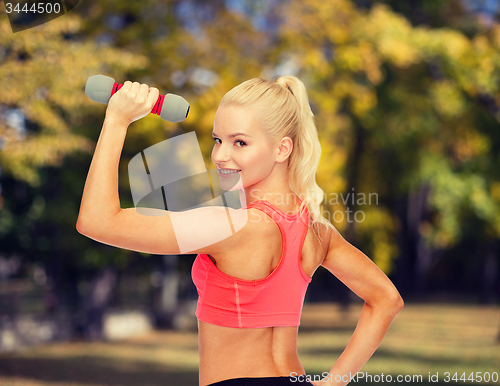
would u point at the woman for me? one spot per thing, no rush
(251, 285)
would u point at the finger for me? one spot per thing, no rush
(127, 85)
(153, 95)
(141, 94)
(134, 89)
(143, 91)
(125, 88)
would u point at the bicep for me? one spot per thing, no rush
(155, 231)
(150, 231)
(358, 272)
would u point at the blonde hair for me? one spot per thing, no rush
(284, 111)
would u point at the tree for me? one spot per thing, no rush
(405, 112)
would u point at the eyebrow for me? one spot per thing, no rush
(234, 135)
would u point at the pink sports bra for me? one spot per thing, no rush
(275, 300)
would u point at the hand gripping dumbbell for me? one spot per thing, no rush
(170, 107)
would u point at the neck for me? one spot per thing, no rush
(275, 189)
(280, 197)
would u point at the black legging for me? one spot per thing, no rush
(262, 381)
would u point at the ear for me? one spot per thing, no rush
(284, 150)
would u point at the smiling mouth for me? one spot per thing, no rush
(222, 171)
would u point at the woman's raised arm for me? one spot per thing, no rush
(100, 200)
(200, 230)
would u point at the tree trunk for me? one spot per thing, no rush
(101, 292)
(490, 273)
(352, 177)
(165, 299)
(405, 261)
(418, 211)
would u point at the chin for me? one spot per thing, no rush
(230, 184)
(231, 187)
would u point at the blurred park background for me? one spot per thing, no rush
(406, 96)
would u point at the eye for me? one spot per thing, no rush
(238, 140)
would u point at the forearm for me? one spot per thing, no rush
(370, 330)
(100, 200)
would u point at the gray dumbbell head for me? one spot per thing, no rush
(99, 87)
(174, 109)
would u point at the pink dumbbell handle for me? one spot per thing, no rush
(156, 108)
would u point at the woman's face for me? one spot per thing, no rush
(240, 145)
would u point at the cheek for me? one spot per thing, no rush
(264, 155)
(257, 160)
(251, 159)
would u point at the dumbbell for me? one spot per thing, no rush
(170, 107)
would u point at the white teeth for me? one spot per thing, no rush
(228, 171)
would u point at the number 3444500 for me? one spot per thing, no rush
(35, 8)
(473, 376)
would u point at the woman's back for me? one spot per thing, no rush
(227, 352)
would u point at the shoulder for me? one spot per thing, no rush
(247, 226)
(324, 236)
(257, 224)
(323, 232)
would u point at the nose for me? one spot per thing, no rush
(220, 155)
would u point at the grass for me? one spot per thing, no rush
(424, 339)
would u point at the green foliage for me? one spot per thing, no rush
(413, 97)
(396, 105)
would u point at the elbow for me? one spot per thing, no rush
(80, 227)
(83, 227)
(395, 303)
(399, 303)
(389, 302)
(95, 230)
